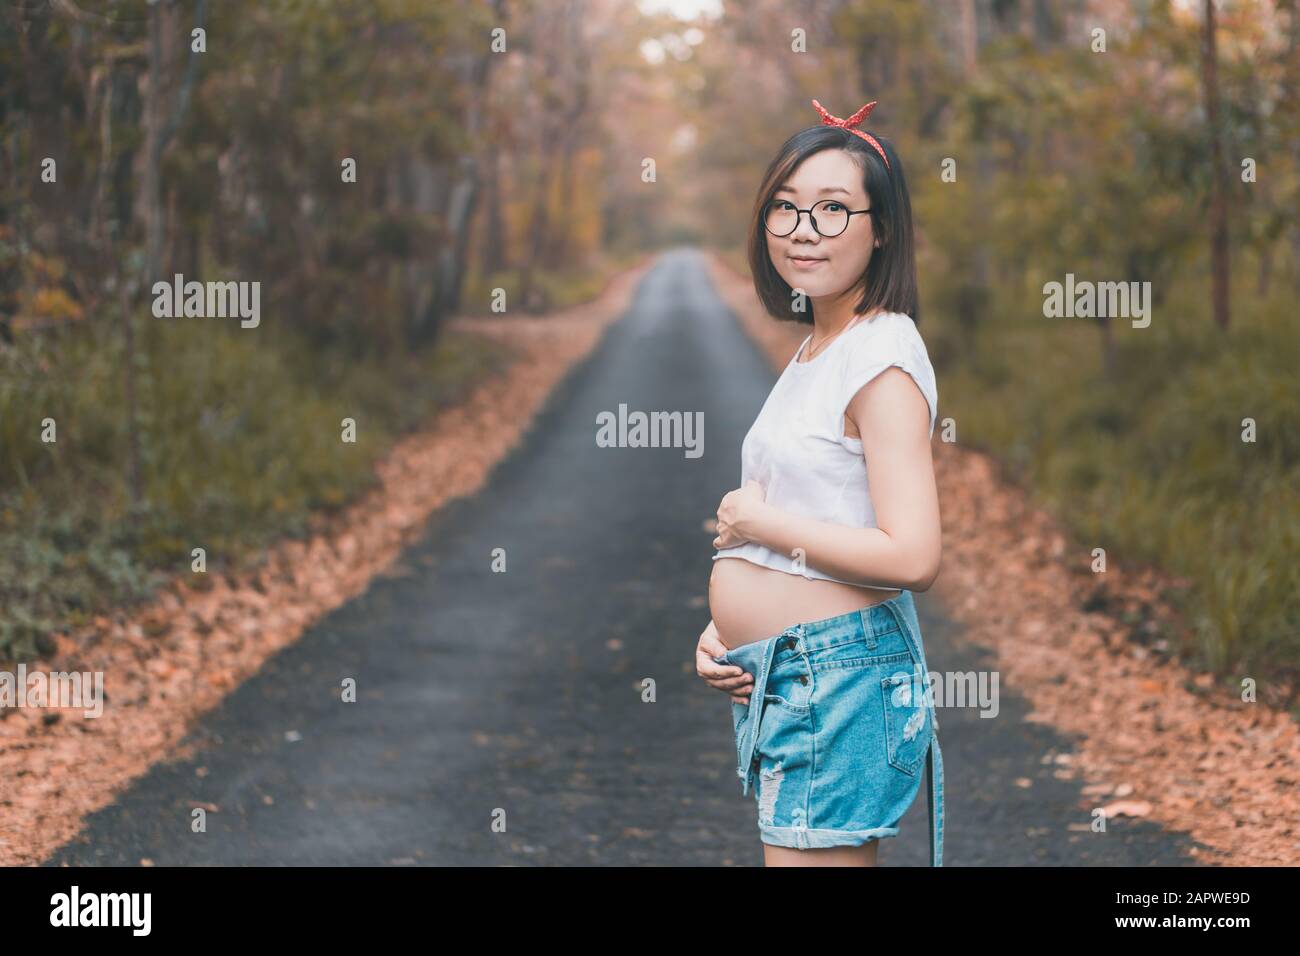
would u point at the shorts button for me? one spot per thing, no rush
(789, 643)
(803, 679)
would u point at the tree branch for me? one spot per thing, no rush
(73, 12)
(187, 83)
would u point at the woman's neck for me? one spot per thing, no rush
(830, 317)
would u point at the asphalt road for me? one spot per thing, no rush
(515, 697)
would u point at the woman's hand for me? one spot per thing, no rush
(737, 513)
(724, 677)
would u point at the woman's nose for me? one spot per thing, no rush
(805, 228)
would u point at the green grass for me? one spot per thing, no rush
(1150, 464)
(241, 444)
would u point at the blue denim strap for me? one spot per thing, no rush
(934, 798)
(750, 742)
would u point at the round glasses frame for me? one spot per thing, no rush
(811, 217)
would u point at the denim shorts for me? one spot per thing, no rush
(839, 726)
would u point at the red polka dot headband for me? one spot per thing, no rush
(850, 124)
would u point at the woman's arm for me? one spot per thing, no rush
(904, 550)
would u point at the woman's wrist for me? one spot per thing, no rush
(753, 525)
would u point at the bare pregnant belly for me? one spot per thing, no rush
(750, 602)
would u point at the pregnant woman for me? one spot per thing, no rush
(814, 634)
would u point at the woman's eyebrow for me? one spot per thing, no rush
(821, 192)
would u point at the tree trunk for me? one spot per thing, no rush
(163, 115)
(494, 233)
(135, 477)
(460, 198)
(1218, 201)
(532, 299)
(572, 77)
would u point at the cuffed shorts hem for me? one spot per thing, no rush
(802, 838)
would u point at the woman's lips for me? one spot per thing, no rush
(805, 263)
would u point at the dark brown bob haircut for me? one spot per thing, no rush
(889, 281)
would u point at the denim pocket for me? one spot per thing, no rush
(907, 724)
(790, 685)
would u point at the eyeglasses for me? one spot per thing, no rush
(781, 217)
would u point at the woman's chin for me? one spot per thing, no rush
(799, 280)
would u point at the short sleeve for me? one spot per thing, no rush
(869, 356)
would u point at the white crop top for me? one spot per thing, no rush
(796, 448)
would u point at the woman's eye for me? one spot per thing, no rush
(834, 207)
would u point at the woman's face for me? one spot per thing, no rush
(821, 265)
